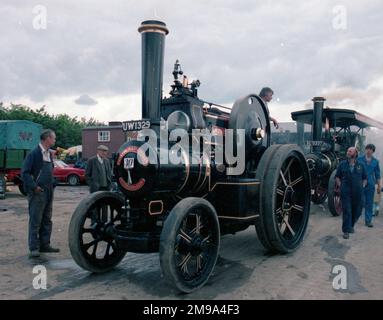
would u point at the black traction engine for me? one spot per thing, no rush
(192, 172)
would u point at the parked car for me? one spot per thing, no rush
(65, 173)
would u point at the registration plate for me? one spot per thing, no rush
(135, 125)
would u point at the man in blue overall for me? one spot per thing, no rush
(37, 175)
(351, 176)
(373, 179)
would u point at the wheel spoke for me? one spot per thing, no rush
(278, 211)
(185, 236)
(205, 239)
(297, 207)
(87, 230)
(280, 192)
(88, 245)
(282, 227)
(198, 223)
(104, 213)
(184, 263)
(283, 178)
(96, 215)
(199, 226)
(199, 264)
(107, 249)
(288, 226)
(94, 249)
(111, 214)
(296, 181)
(287, 170)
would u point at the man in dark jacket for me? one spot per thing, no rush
(38, 181)
(351, 176)
(98, 172)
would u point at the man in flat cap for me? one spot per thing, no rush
(98, 173)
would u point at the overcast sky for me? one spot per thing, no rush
(87, 61)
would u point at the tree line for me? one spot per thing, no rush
(68, 129)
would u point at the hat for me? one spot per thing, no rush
(102, 147)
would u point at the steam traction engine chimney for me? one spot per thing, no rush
(317, 121)
(153, 34)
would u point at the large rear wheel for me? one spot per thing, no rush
(284, 198)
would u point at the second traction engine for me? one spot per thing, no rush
(322, 160)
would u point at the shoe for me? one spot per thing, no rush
(346, 235)
(34, 254)
(49, 249)
(352, 230)
(369, 224)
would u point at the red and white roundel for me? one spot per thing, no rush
(134, 186)
(144, 161)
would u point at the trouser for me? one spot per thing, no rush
(352, 209)
(40, 218)
(368, 200)
(94, 214)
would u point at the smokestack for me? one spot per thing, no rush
(317, 121)
(153, 34)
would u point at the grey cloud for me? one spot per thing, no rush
(232, 47)
(85, 100)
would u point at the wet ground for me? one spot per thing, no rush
(243, 270)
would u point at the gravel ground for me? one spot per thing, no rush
(243, 270)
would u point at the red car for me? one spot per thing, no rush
(65, 173)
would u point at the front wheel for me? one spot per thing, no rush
(189, 244)
(284, 198)
(91, 232)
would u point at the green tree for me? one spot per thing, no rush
(68, 129)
